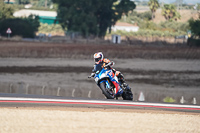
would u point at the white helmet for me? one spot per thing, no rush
(98, 57)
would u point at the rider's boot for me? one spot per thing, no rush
(125, 85)
(122, 80)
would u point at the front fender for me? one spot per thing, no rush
(102, 79)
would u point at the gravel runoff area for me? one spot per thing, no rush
(95, 120)
(144, 64)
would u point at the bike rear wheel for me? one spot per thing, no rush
(106, 91)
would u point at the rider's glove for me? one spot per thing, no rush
(109, 64)
(92, 75)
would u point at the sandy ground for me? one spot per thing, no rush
(76, 120)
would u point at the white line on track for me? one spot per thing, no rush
(123, 103)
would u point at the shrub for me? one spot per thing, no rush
(53, 29)
(20, 27)
(174, 26)
(141, 19)
(150, 33)
(24, 27)
(169, 100)
(193, 42)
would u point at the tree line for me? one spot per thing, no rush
(90, 17)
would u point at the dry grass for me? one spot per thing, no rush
(83, 51)
(185, 16)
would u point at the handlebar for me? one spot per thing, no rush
(109, 64)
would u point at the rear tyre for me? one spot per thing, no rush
(127, 95)
(106, 91)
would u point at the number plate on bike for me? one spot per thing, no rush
(96, 79)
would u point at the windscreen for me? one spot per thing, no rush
(97, 68)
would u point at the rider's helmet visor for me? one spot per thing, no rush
(97, 59)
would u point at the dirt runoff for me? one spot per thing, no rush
(88, 120)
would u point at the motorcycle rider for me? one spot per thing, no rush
(99, 59)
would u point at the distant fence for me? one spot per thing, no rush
(156, 40)
(124, 40)
(182, 40)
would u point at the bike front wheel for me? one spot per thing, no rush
(109, 94)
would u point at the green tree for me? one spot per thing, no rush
(34, 22)
(170, 13)
(195, 26)
(22, 2)
(6, 11)
(92, 16)
(44, 3)
(153, 5)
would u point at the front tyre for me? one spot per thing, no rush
(106, 92)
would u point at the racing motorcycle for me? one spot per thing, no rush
(108, 81)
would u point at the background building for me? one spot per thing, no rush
(125, 26)
(48, 17)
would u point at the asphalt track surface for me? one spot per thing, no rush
(21, 100)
